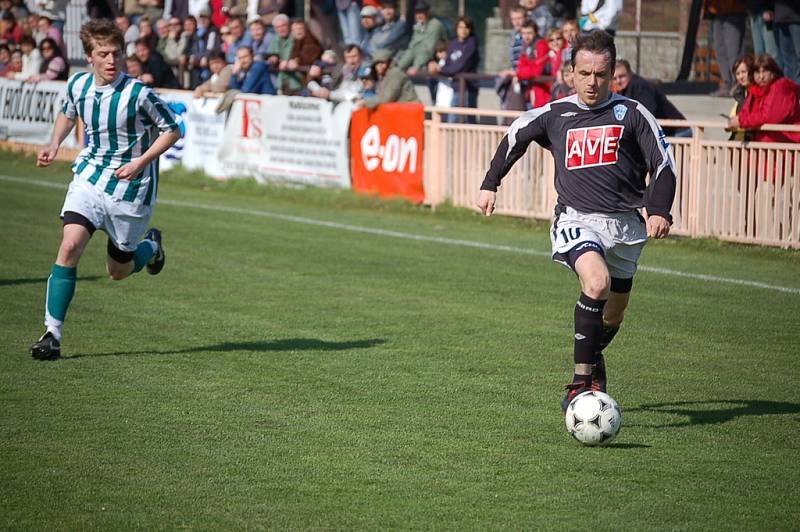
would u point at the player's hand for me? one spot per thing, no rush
(657, 226)
(47, 155)
(129, 170)
(486, 200)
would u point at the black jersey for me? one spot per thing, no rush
(602, 155)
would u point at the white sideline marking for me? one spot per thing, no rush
(420, 238)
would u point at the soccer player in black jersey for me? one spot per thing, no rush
(603, 146)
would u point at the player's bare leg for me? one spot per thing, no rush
(60, 289)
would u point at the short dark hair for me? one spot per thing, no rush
(596, 42)
(215, 55)
(101, 31)
(624, 63)
(350, 47)
(531, 24)
(27, 39)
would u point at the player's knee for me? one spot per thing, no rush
(597, 286)
(71, 249)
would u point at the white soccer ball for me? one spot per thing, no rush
(593, 418)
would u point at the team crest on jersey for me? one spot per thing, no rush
(620, 111)
(592, 146)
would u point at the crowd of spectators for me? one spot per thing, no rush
(31, 41)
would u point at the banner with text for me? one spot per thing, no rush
(28, 111)
(287, 139)
(386, 150)
(202, 130)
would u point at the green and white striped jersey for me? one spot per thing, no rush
(122, 120)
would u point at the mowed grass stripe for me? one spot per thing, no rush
(434, 239)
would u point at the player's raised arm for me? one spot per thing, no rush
(61, 129)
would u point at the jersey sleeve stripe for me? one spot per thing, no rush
(166, 115)
(522, 122)
(658, 138)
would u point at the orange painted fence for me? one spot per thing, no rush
(739, 192)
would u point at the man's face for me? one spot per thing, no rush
(388, 12)
(189, 25)
(216, 65)
(352, 58)
(245, 58)
(421, 17)
(123, 23)
(42, 24)
(368, 22)
(162, 28)
(281, 28)
(134, 68)
(528, 35)
(298, 31)
(105, 60)
(142, 52)
(203, 21)
(257, 31)
(517, 20)
(592, 77)
(529, 4)
(237, 28)
(145, 28)
(622, 78)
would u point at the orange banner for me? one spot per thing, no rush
(386, 150)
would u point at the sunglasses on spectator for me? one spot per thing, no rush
(554, 39)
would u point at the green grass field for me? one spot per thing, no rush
(285, 374)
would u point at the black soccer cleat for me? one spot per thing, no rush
(156, 264)
(47, 348)
(574, 389)
(599, 375)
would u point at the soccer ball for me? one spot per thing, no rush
(593, 418)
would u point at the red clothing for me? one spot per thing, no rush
(218, 18)
(777, 103)
(540, 63)
(14, 34)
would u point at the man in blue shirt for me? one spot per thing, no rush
(250, 76)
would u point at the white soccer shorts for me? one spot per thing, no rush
(621, 236)
(123, 221)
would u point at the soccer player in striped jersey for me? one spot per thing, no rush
(115, 176)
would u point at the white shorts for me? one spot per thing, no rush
(123, 221)
(619, 237)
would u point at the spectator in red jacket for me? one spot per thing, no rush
(773, 99)
(535, 96)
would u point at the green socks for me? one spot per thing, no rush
(144, 252)
(60, 289)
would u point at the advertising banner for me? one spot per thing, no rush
(202, 130)
(386, 150)
(287, 139)
(28, 111)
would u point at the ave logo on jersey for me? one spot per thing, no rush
(592, 146)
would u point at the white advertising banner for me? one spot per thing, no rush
(287, 139)
(28, 111)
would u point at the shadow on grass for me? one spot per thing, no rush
(286, 344)
(42, 280)
(705, 413)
